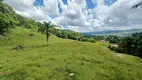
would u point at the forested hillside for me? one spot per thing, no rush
(10, 19)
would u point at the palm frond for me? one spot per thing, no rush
(41, 29)
(137, 5)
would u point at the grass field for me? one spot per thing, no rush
(62, 59)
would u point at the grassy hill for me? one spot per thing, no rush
(62, 59)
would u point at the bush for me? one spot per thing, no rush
(111, 47)
(119, 50)
(113, 39)
(93, 41)
(6, 22)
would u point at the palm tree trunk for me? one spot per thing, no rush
(47, 38)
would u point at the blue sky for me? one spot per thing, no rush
(109, 2)
(38, 3)
(82, 15)
(90, 3)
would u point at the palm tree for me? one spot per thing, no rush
(137, 5)
(46, 29)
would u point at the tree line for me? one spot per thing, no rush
(130, 45)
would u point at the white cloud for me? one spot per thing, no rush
(51, 7)
(122, 15)
(27, 9)
(76, 15)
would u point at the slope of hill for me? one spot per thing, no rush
(62, 59)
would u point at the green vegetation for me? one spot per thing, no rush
(68, 34)
(5, 23)
(97, 38)
(63, 59)
(130, 45)
(9, 19)
(6, 19)
(113, 39)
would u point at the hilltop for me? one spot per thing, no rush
(62, 59)
(122, 33)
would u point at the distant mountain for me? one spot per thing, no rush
(114, 32)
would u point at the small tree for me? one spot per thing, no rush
(46, 29)
(139, 49)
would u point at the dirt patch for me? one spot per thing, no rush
(17, 47)
(118, 54)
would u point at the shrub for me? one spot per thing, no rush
(93, 41)
(119, 50)
(111, 47)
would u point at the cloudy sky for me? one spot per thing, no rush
(82, 15)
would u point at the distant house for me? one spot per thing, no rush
(104, 41)
(115, 45)
(57, 27)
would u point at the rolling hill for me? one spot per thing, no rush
(122, 33)
(62, 59)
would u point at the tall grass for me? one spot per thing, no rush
(62, 57)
